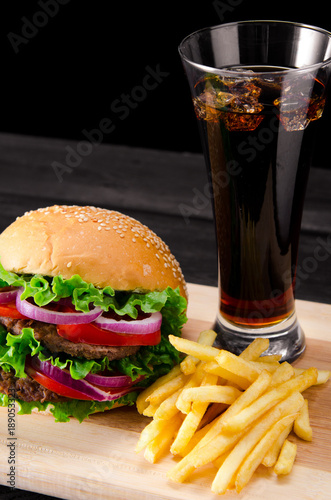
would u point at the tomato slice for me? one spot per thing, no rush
(9, 310)
(91, 334)
(53, 385)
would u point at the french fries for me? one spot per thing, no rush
(286, 458)
(187, 366)
(235, 412)
(256, 456)
(269, 399)
(270, 458)
(141, 400)
(302, 427)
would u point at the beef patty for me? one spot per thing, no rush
(47, 335)
(26, 388)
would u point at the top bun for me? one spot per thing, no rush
(104, 247)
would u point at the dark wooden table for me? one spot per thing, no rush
(168, 191)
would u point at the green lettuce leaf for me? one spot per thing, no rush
(45, 289)
(15, 348)
(62, 411)
(3, 399)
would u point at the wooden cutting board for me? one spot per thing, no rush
(96, 459)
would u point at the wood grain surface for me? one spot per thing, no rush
(96, 459)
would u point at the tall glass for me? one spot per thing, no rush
(259, 89)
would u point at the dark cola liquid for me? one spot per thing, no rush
(258, 137)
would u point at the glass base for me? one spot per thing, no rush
(285, 338)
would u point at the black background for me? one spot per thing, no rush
(64, 75)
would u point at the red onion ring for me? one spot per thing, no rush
(110, 381)
(7, 296)
(150, 324)
(57, 318)
(64, 378)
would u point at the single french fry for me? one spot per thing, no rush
(211, 394)
(162, 442)
(150, 410)
(165, 390)
(284, 372)
(286, 458)
(272, 454)
(206, 337)
(302, 427)
(233, 378)
(245, 445)
(237, 365)
(141, 399)
(322, 377)
(202, 352)
(188, 365)
(185, 467)
(269, 399)
(254, 350)
(255, 458)
(269, 358)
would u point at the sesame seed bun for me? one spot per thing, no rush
(104, 247)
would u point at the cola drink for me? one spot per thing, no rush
(258, 137)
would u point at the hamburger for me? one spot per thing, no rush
(88, 297)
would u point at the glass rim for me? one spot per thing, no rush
(247, 73)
